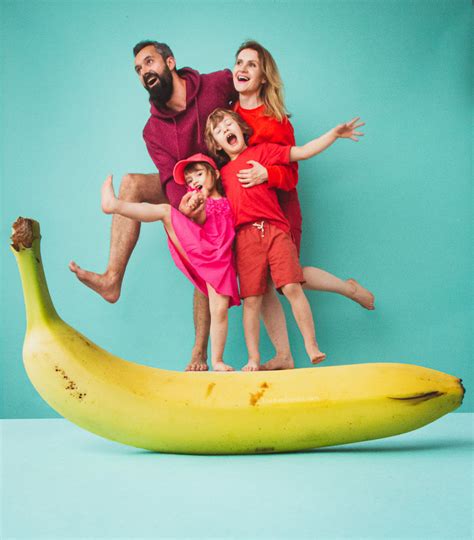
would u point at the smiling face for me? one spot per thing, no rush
(155, 73)
(228, 137)
(201, 177)
(248, 73)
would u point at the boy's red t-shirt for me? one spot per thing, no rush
(258, 202)
(266, 129)
(281, 177)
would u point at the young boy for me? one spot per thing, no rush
(263, 242)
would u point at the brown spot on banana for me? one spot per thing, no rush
(255, 398)
(210, 388)
(71, 386)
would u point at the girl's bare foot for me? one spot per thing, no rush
(108, 196)
(220, 366)
(278, 362)
(360, 295)
(108, 285)
(252, 365)
(197, 365)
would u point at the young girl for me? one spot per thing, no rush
(263, 241)
(261, 105)
(201, 247)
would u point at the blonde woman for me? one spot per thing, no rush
(261, 105)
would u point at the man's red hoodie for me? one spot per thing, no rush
(171, 136)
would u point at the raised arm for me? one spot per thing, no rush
(316, 146)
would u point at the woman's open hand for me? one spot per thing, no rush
(258, 174)
(348, 130)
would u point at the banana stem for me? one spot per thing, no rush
(26, 248)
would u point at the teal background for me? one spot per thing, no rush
(393, 211)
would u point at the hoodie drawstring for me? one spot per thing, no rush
(198, 122)
(176, 137)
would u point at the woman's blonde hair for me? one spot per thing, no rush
(271, 91)
(216, 116)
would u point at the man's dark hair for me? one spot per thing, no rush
(163, 50)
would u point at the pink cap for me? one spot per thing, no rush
(178, 171)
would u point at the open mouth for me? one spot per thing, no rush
(151, 80)
(243, 78)
(231, 139)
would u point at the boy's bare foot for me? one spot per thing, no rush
(279, 362)
(252, 365)
(108, 198)
(107, 285)
(197, 365)
(220, 366)
(361, 295)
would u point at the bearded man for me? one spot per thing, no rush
(181, 101)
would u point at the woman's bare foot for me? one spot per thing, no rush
(318, 357)
(278, 362)
(108, 198)
(108, 285)
(361, 295)
(220, 366)
(197, 365)
(252, 365)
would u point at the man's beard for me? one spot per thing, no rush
(161, 91)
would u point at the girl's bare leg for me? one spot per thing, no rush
(275, 323)
(304, 319)
(320, 280)
(145, 212)
(219, 307)
(138, 211)
(251, 321)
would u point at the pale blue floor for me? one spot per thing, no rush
(62, 482)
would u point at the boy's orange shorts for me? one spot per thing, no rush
(261, 249)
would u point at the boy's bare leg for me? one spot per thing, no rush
(320, 280)
(275, 323)
(219, 306)
(251, 321)
(304, 319)
(124, 236)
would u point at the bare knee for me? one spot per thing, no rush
(253, 303)
(219, 312)
(130, 188)
(142, 188)
(292, 291)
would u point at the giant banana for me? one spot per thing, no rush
(215, 413)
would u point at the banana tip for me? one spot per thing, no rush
(24, 232)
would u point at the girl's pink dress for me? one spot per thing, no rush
(208, 248)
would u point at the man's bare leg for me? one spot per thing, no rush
(124, 236)
(275, 323)
(202, 326)
(320, 280)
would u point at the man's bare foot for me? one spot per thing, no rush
(361, 295)
(108, 198)
(279, 362)
(197, 365)
(107, 285)
(252, 365)
(220, 366)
